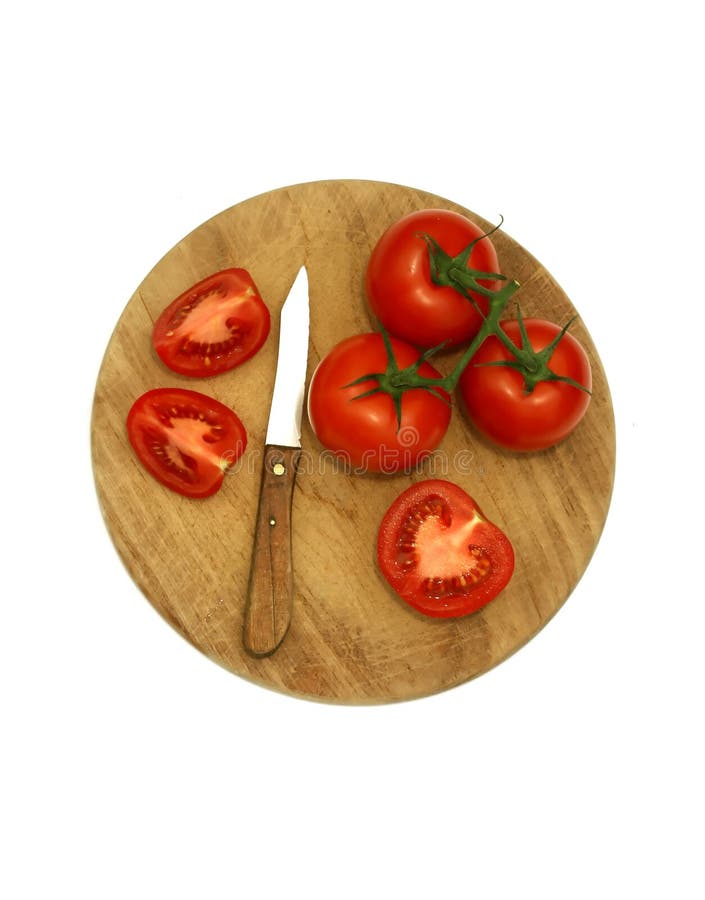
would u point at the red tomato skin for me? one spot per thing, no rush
(398, 279)
(364, 433)
(143, 421)
(487, 535)
(248, 310)
(496, 402)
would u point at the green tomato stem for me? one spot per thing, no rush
(490, 325)
(406, 379)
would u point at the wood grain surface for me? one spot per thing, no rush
(351, 640)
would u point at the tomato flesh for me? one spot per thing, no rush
(363, 431)
(496, 401)
(186, 440)
(440, 554)
(399, 288)
(214, 326)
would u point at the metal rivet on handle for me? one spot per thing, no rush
(278, 468)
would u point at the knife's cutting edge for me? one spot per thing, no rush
(284, 428)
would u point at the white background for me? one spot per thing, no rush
(134, 767)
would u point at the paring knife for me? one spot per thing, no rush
(271, 585)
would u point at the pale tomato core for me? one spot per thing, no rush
(192, 441)
(209, 319)
(443, 545)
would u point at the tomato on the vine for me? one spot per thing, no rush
(364, 431)
(440, 554)
(504, 410)
(213, 326)
(401, 292)
(186, 440)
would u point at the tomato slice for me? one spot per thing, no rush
(213, 326)
(186, 440)
(440, 554)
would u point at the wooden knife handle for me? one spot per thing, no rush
(271, 586)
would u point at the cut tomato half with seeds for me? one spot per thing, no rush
(213, 326)
(186, 440)
(439, 552)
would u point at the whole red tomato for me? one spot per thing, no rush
(497, 401)
(365, 432)
(401, 292)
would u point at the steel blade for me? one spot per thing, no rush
(284, 428)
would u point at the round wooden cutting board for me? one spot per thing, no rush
(351, 639)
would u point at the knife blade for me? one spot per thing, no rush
(271, 583)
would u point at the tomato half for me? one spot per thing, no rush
(364, 432)
(498, 404)
(440, 554)
(213, 326)
(186, 440)
(399, 288)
